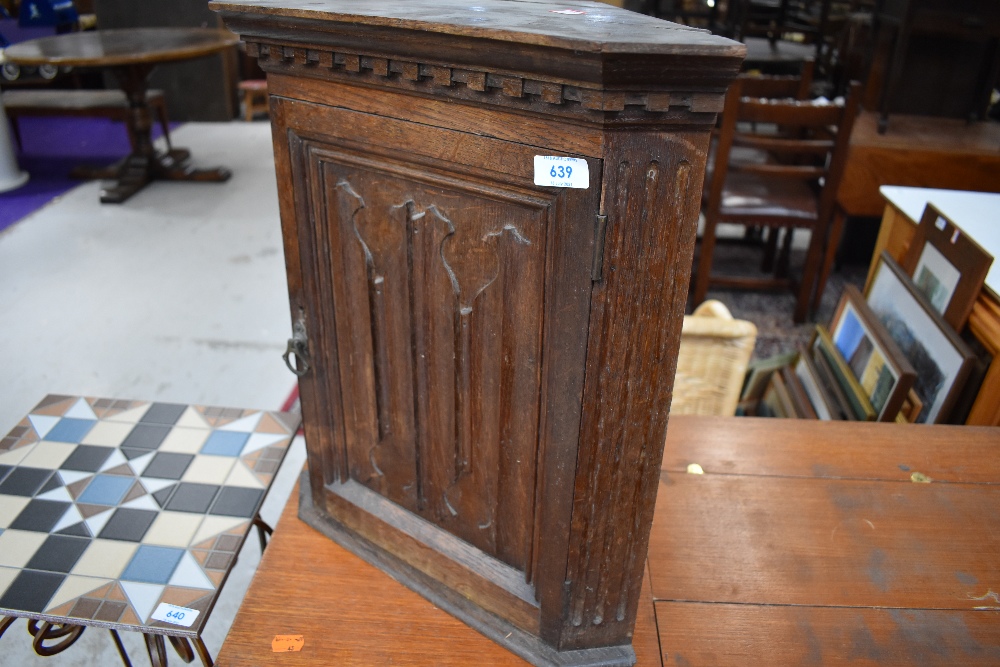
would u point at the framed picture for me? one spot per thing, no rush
(800, 399)
(828, 381)
(857, 398)
(824, 404)
(871, 354)
(776, 401)
(941, 359)
(947, 266)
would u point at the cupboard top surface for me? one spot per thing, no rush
(582, 26)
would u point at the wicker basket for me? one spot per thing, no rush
(715, 351)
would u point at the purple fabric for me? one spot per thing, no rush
(52, 147)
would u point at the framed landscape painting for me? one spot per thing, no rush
(873, 357)
(940, 358)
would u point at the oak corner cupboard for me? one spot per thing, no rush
(489, 212)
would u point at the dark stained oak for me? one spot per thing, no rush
(490, 360)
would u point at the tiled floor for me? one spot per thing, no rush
(176, 296)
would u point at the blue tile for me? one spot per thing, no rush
(106, 490)
(70, 430)
(152, 565)
(225, 443)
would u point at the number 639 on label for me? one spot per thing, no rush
(561, 172)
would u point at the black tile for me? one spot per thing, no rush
(168, 465)
(128, 524)
(163, 495)
(87, 458)
(54, 483)
(163, 413)
(79, 529)
(131, 453)
(192, 498)
(40, 515)
(237, 501)
(3, 471)
(58, 553)
(31, 591)
(24, 481)
(146, 436)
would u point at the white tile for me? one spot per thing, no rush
(14, 456)
(173, 529)
(184, 440)
(96, 523)
(70, 518)
(139, 463)
(261, 440)
(7, 576)
(42, 424)
(143, 597)
(192, 419)
(105, 558)
(244, 424)
(81, 410)
(108, 434)
(60, 493)
(10, 507)
(18, 546)
(48, 455)
(214, 525)
(73, 587)
(207, 469)
(190, 575)
(115, 459)
(130, 416)
(242, 476)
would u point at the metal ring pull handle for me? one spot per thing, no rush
(298, 345)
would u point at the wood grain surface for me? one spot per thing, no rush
(772, 562)
(849, 450)
(351, 613)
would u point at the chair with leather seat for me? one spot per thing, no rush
(805, 145)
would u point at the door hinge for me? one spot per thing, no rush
(600, 224)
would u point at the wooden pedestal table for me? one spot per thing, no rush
(131, 55)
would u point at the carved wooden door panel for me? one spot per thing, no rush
(445, 262)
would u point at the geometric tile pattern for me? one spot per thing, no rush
(109, 507)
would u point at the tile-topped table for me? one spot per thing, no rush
(113, 510)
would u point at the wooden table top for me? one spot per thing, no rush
(106, 48)
(802, 543)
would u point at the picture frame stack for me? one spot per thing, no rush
(894, 353)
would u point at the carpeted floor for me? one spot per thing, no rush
(772, 311)
(52, 147)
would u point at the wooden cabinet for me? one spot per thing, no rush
(490, 360)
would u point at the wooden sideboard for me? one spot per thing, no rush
(978, 214)
(830, 556)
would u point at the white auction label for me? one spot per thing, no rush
(169, 613)
(561, 172)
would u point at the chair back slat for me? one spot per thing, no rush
(783, 145)
(789, 113)
(804, 173)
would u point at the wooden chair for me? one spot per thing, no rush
(808, 141)
(254, 97)
(713, 358)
